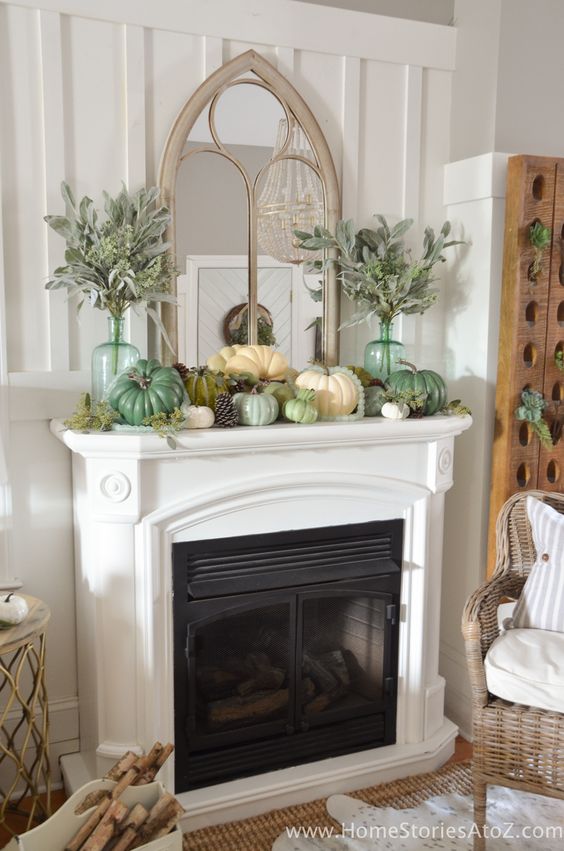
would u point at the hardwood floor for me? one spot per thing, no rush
(463, 751)
(17, 823)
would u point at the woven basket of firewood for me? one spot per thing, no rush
(126, 810)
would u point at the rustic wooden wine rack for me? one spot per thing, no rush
(531, 332)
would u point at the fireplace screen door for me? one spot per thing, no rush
(270, 678)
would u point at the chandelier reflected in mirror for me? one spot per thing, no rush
(291, 197)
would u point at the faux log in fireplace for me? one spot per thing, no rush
(285, 648)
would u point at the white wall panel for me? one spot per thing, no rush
(88, 93)
(95, 141)
(43, 542)
(174, 69)
(319, 79)
(21, 146)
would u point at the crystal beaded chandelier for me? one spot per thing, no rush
(291, 198)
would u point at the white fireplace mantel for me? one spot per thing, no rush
(134, 496)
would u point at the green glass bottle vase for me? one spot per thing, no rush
(382, 356)
(111, 358)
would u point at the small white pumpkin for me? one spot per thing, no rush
(395, 410)
(198, 416)
(13, 610)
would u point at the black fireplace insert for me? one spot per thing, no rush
(285, 648)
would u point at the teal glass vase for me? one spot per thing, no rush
(382, 356)
(111, 358)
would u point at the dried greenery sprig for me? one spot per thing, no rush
(265, 333)
(414, 399)
(101, 417)
(376, 270)
(457, 409)
(531, 410)
(116, 260)
(166, 425)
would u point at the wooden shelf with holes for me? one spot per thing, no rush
(531, 334)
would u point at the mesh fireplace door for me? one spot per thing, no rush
(347, 652)
(285, 648)
(240, 684)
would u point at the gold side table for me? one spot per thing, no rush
(24, 720)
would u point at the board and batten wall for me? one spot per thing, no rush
(88, 92)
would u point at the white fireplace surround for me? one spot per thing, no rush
(134, 497)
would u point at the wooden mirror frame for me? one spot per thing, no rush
(294, 105)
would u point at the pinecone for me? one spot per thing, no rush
(237, 385)
(225, 413)
(182, 369)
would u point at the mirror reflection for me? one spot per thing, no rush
(248, 177)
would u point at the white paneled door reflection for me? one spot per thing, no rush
(212, 286)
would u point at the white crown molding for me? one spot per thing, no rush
(284, 23)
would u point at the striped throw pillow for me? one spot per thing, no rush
(541, 604)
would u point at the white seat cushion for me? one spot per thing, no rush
(527, 666)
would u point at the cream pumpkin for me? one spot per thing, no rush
(336, 393)
(219, 359)
(260, 361)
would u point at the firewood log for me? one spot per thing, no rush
(335, 662)
(308, 689)
(266, 678)
(321, 675)
(91, 800)
(126, 780)
(123, 764)
(325, 699)
(84, 832)
(137, 816)
(146, 761)
(149, 775)
(215, 683)
(243, 710)
(162, 818)
(105, 831)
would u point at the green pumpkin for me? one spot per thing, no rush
(255, 409)
(301, 409)
(421, 381)
(374, 398)
(146, 389)
(281, 391)
(203, 386)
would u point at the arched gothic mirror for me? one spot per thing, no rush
(245, 164)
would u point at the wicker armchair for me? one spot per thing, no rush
(514, 745)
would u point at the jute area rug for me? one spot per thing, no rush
(260, 833)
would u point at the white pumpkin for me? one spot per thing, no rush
(198, 416)
(13, 610)
(336, 393)
(219, 359)
(395, 410)
(260, 361)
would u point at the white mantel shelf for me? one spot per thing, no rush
(276, 437)
(135, 497)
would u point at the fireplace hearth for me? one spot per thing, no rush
(285, 648)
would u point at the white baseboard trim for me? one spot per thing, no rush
(458, 694)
